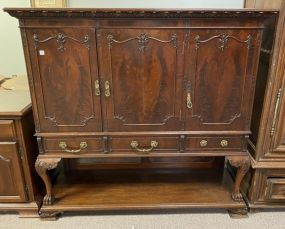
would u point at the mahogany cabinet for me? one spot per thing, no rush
(109, 83)
(18, 151)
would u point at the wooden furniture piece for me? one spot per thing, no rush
(18, 152)
(265, 186)
(142, 83)
(263, 4)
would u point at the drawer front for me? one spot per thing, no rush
(7, 129)
(275, 190)
(145, 144)
(73, 145)
(215, 143)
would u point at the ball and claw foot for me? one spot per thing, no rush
(237, 196)
(48, 200)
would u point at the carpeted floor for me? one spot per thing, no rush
(200, 219)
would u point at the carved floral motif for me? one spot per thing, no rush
(61, 40)
(223, 40)
(143, 39)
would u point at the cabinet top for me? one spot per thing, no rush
(137, 13)
(14, 103)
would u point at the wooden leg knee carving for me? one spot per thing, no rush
(42, 166)
(242, 163)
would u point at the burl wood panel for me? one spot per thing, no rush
(64, 82)
(145, 88)
(221, 71)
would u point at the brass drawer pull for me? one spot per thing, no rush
(135, 145)
(64, 147)
(189, 102)
(97, 88)
(203, 143)
(224, 143)
(107, 89)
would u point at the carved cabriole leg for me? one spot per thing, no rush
(242, 163)
(42, 166)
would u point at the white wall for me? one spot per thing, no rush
(157, 3)
(11, 53)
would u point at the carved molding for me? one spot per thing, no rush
(135, 13)
(5, 159)
(223, 40)
(61, 40)
(143, 40)
(83, 122)
(230, 121)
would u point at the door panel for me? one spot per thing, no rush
(220, 70)
(141, 66)
(65, 79)
(11, 180)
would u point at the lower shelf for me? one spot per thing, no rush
(142, 189)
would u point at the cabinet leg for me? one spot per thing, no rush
(42, 166)
(242, 163)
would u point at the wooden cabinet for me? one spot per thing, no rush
(265, 186)
(142, 84)
(19, 187)
(263, 4)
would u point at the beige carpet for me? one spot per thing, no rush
(147, 220)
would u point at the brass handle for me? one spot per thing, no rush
(224, 143)
(135, 145)
(189, 102)
(97, 87)
(107, 89)
(203, 143)
(64, 147)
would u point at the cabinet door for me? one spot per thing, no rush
(141, 77)
(11, 179)
(65, 79)
(220, 71)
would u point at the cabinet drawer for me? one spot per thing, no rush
(275, 190)
(7, 130)
(145, 144)
(73, 145)
(215, 143)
